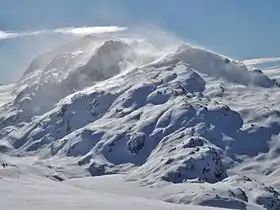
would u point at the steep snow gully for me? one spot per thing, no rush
(188, 126)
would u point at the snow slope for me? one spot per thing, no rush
(34, 193)
(187, 126)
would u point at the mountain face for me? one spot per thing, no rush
(185, 119)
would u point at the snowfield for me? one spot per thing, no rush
(34, 194)
(122, 121)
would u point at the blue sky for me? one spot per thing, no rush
(242, 29)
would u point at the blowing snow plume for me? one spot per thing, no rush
(89, 60)
(86, 61)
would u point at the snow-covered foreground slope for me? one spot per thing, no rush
(25, 184)
(34, 194)
(188, 125)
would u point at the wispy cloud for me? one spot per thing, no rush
(90, 30)
(272, 71)
(261, 60)
(75, 31)
(7, 35)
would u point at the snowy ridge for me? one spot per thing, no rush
(172, 121)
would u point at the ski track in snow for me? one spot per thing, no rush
(122, 122)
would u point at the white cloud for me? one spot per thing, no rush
(78, 31)
(272, 71)
(90, 30)
(261, 60)
(7, 35)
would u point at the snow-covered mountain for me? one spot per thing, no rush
(188, 125)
